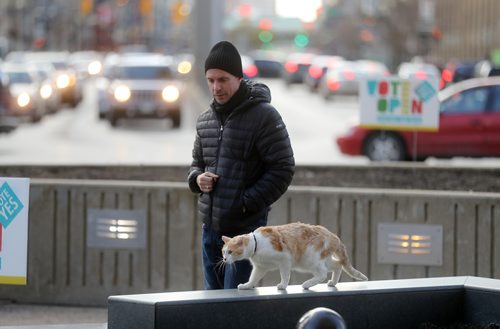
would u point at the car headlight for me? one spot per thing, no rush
(46, 91)
(122, 93)
(63, 81)
(184, 67)
(23, 99)
(170, 94)
(94, 68)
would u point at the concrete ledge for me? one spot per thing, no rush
(372, 304)
(397, 175)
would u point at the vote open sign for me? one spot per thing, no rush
(14, 204)
(395, 103)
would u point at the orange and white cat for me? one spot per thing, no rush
(295, 246)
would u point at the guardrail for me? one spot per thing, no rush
(63, 268)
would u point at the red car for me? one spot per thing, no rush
(469, 125)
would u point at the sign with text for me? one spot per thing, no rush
(14, 204)
(395, 103)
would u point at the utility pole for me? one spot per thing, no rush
(208, 16)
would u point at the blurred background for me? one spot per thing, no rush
(311, 54)
(391, 31)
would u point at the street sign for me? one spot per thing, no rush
(14, 205)
(395, 103)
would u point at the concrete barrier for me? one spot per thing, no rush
(397, 175)
(64, 269)
(418, 303)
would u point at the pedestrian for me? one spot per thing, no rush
(242, 162)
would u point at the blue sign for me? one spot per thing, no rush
(10, 205)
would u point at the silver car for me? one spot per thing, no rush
(24, 99)
(140, 86)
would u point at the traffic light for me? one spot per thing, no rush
(245, 11)
(145, 7)
(301, 40)
(86, 7)
(265, 34)
(180, 12)
(265, 24)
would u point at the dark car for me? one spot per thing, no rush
(269, 63)
(469, 125)
(250, 70)
(457, 71)
(296, 66)
(8, 122)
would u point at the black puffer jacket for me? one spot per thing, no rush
(252, 155)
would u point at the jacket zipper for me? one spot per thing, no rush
(221, 130)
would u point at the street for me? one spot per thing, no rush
(77, 136)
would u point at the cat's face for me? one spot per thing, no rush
(235, 248)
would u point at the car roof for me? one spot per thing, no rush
(144, 60)
(467, 84)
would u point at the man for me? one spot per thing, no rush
(242, 162)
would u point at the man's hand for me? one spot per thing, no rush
(206, 181)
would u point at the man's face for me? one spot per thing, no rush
(222, 85)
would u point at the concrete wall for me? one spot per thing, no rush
(404, 175)
(62, 269)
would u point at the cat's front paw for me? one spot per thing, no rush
(244, 286)
(281, 286)
(331, 283)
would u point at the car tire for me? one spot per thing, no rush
(176, 119)
(384, 146)
(113, 120)
(36, 118)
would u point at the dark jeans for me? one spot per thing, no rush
(218, 275)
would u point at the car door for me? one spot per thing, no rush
(492, 123)
(462, 126)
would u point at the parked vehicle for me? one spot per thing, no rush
(319, 65)
(269, 63)
(418, 70)
(250, 70)
(343, 78)
(296, 66)
(469, 125)
(140, 86)
(340, 80)
(8, 122)
(455, 71)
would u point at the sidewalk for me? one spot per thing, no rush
(30, 316)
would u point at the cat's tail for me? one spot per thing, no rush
(347, 266)
(354, 273)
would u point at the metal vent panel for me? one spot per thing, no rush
(410, 244)
(116, 228)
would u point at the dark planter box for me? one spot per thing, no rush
(373, 304)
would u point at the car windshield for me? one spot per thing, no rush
(143, 72)
(19, 77)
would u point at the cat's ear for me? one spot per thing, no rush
(225, 239)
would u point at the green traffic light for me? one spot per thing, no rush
(301, 40)
(265, 36)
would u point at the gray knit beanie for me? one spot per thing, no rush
(224, 56)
